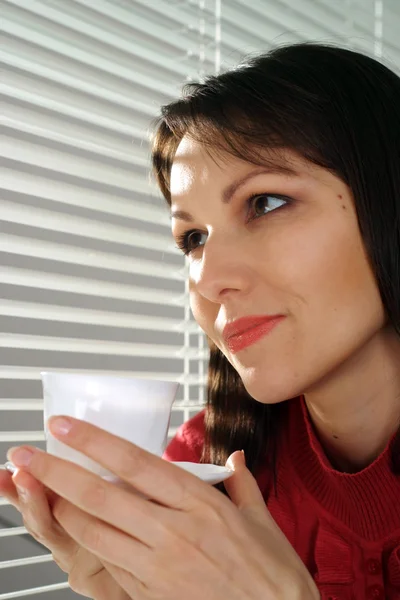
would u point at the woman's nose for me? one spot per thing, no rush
(222, 267)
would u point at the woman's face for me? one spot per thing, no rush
(294, 250)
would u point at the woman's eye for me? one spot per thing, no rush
(185, 241)
(267, 203)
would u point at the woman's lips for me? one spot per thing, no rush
(240, 341)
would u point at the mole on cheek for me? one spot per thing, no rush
(340, 196)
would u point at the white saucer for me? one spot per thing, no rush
(211, 474)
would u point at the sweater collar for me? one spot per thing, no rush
(367, 501)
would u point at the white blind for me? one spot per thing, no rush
(90, 278)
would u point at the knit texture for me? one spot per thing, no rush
(345, 527)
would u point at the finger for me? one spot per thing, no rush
(154, 477)
(151, 524)
(8, 490)
(244, 490)
(91, 578)
(39, 520)
(125, 580)
(139, 517)
(106, 542)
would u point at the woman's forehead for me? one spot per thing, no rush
(194, 164)
(191, 152)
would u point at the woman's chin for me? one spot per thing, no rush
(268, 385)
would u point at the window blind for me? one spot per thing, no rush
(90, 278)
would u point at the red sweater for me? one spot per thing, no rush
(345, 527)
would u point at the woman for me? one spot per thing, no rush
(283, 178)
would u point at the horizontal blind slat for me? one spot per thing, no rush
(12, 126)
(68, 314)
(22, 436)
(90, 287)
(35, 185)
(12, 531)
(32, 99)
(65, 344)
(172, 36)
(79, 167)
(88, 30)
(308, 18)
(250, 29)
(183, 21)
(90, 228)
(23, 562)
(31, 247)
(33, 591)
(65, 80)
(80, 57)
(21, 404)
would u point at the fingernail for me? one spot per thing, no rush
(229, 464)
(60, 425)
(20, 457)
(10, 467)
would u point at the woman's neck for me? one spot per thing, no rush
(356, 410)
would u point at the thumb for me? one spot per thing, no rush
(243, 488)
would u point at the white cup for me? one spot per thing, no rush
(137, 410)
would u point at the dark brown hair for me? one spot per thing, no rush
(339, 109)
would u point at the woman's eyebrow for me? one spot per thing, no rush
(232, 188)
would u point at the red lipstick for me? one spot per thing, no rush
(248, 330)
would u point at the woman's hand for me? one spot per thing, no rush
(183, 539)
(87, 574)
